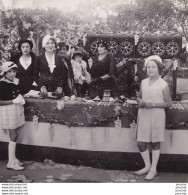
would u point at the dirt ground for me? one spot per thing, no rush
(50, 172)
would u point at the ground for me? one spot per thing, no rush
(51, 172)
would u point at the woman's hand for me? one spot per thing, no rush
(149, 105)
(43, 90)
(59, 90)
(19, 100)
(95, 81)
(142, 104)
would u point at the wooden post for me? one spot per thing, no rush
(174, 87)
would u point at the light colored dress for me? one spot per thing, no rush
(151, 122)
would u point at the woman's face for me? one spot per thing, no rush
(64, 50)
(25, 48)
(101, 49)
(152, 69)
(78, 58)
(50, 46)
(11, 74)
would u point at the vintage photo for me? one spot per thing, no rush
(93, 91)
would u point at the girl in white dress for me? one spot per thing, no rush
(153, 98)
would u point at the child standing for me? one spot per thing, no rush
(81, 76)
(153, 98)
(11, 111)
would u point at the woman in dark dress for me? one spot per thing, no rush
(62, 52)
(103, 73)
(25, 62)
(50, 72)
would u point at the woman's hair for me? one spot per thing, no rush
(104, 43)
(61, 45)
(25, 41)
(159, 65)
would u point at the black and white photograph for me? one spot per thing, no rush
(94, 91)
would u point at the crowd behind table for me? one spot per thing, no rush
(66, 70)
(84, 78)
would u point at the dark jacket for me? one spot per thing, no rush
(43, 76)
(26, 77)
(9, 91)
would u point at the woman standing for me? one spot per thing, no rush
(50, 72)
(103, 73)
(25, 62)
(153, 98)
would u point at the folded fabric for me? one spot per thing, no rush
(32, 93)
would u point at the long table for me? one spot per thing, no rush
(93, 133)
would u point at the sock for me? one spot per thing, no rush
(11, 151)
(146, 158)
(155, 159)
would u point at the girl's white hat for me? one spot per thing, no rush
(45, 40)
(153, 57)
(6, 66)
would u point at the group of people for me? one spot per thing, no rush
(54, 71)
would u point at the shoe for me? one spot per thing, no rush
(142, 171)
(15, 166)
(18, 162)
(151, 175)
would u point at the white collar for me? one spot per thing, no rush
(16, 80)
(25, 64)
(51, 62)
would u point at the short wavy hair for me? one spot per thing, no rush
(159, 65)
(25, 41)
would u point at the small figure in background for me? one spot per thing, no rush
(31, 38)
(82, 78)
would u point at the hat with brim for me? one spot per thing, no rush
(63, 44)
(7, 66)
(153, 57)
(77, 53)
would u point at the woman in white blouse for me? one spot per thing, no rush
(50, 72)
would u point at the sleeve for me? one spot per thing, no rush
(112, 66)
(64, 80)
(38, 78)
(36, 69)
(1, 91)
